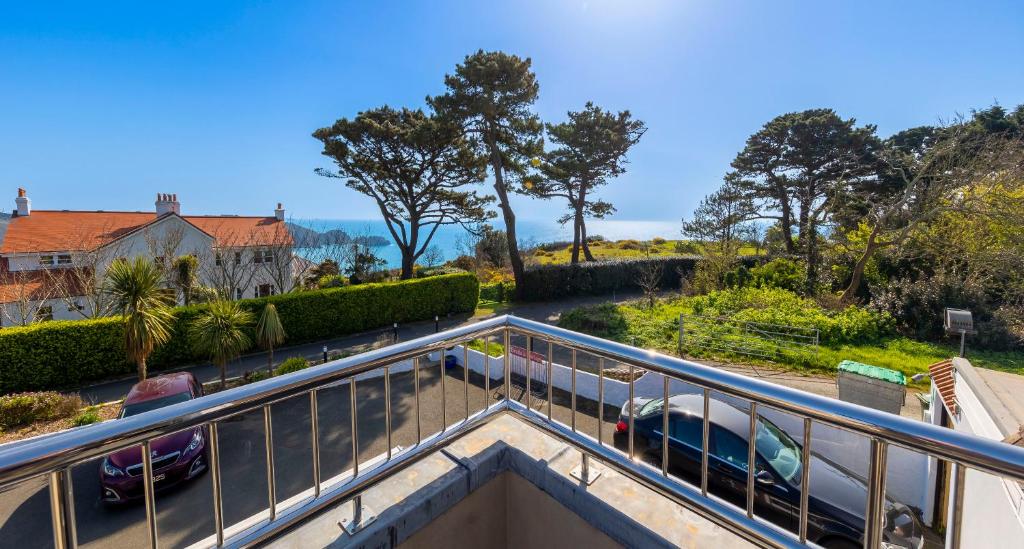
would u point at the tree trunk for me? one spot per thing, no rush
(223, 375)
(858, 268)
(811, 254)
(510, 221)
(575, 241)
(270, 360)
(407, 264)
(583, 238)
(142, 368)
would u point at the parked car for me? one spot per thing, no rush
(176, 457)
(838, 497)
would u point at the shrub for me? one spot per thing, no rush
(331, 281)
(67, 353)
(593, 238)
(687, 247)
(780, 273)
(498, 291)
(24, 408)
(604, 320)
(87, 417)
(776, 306)
(630, 245)
(658, 241)
(547, 282)
(293, 364)
(464, 262)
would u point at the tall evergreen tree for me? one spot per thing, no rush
(417, 168)
(491, 95)
(592, 147)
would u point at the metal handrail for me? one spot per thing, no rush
(55, 455)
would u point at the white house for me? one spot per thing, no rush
(52, 262)
(989, 404)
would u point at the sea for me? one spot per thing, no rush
(451, 240)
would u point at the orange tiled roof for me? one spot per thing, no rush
(942, 377)
(63, 230)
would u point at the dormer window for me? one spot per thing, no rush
(46, 260)
(64, 259)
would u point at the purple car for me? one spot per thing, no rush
(176, 458)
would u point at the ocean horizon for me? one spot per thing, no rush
(452, 239)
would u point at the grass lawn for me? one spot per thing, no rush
(624, 249)
(658, 329)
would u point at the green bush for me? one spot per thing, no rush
(55, 354)
(687, 247)
(604, 320)
(549, 282)
(331, 281)
(293, 364)
(630, 245)
(777, 306)
(24, 408)
(780, 273)
(87, 417)
(498, 291)
(658, 241)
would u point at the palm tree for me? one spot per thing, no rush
(220, 332)
(137, 291)
(269, 332)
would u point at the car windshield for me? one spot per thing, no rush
(778, 449)
(650, 407)
(145, 406)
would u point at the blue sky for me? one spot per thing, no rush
(103, 105)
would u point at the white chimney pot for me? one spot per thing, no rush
(279, 212)
(23, 203)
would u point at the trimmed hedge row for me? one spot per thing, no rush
(547, 282)
(497, 291)
(67, 353)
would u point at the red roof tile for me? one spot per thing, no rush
(55, 231)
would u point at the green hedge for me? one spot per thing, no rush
(549, 282)
(67, 353)
(497, 291)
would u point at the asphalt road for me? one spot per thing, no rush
(185, 512)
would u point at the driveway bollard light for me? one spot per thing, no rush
(395, 332)
(437, 325)
(325, 353)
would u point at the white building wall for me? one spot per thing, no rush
(993, 510)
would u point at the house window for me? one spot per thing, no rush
(76, 306)
(217, 260)
(264, 290)
(46, 260)
(263, 256)
(64, 259)
(238, 258)
(238, 293)
(44, 313)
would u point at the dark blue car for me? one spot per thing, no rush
(837, 499)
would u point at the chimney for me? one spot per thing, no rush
(23, 203)
(279, 212)
(167, 203)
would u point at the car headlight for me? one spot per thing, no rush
(197, 439)
(110, 469)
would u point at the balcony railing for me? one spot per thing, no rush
(53, 457)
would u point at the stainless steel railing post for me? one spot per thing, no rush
(355, 427)
(218, 493)
(704, 443)
(62, 509)
(572, 395)
(444, 395)
(959, 475)
(314, 425)
(632, 413)
(529, 369)
(751, 459)
(149, 493)
(416, 390)
(600, 401)
(805, 479)
(387, 407)
(508, 364)
(876, 494)
(268, 442)
(487, 373)
(549, 379)
(664, 428)
(465, 375)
